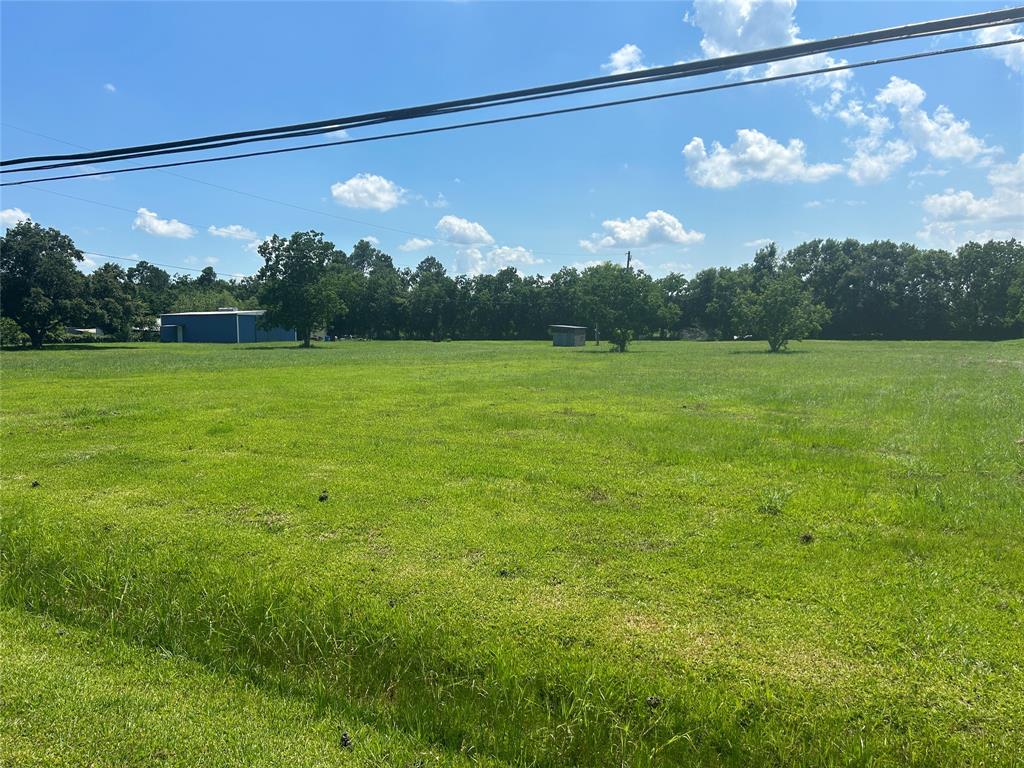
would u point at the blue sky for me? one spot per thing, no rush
(927, 151)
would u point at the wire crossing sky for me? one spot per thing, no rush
(924, 150)
(477, 123)
(977, 21)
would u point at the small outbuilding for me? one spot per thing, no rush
(225, 326)
(568, 335)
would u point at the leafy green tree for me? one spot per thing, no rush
(989, 280)
(780, 312)
(114, 305)
(207, 278)
(299, 289)
(618, 301)
(152, 287)
(711, 300)
(42, 288)
(431, 301)
(194, 299)
(10, 334)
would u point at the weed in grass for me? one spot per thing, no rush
(772, 502)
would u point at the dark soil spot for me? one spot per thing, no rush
(806, 538)
(323, 495)
(35, 483)
(597, 496)
(653, 702)
(346, 741)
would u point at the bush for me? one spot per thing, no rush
(11, 334)
(620, 338)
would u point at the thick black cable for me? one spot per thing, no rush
(530, 115)
(321, 131)
(689, 69)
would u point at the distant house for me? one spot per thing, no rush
(226, 326)
(568, 335)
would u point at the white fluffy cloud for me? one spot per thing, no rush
(463, 232)
(656, 228)
(737, 26)
(855, 115)
(505, 255)
(473, 261)
(109, 88)
(233, 232)
(629, 58)
(940, 134)
(874, 160)
(254, 245)
(148, 221)
(1011, 55)
(367, 190)
(415, 244)
(731, 26)
(11, 216)
(753, 156)
(956, 216)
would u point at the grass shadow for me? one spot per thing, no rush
(71, 348)
(769, 352)
(265, 348)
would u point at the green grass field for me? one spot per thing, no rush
(690, 554)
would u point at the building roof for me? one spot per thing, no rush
(567, 327)
(217, 312)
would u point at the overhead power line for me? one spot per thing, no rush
(656, 74)
(527, 116)
(139, 261)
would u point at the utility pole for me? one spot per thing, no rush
(629, 258)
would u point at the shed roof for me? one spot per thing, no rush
(567, 327)
(217, 312)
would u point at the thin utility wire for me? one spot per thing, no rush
(138, 261)
(297, 207)
(527, 116)
(656, 74)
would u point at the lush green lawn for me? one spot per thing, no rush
(73, 698)
(689, 554)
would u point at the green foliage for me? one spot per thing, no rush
(11, 334)
(298, 287)
(431, 301)
(520, 549)
(42, 288)
(779, 310)
(880, 290)
(208, 300)
(152, 287)
(113, 302)
(620, 302)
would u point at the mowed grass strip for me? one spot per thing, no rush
(72, 698)
(688, 553)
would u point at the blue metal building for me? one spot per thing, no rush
(228, 326)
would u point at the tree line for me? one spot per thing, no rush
(836, 289)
